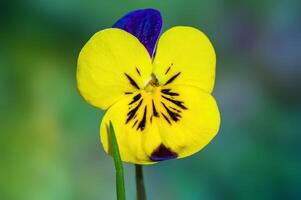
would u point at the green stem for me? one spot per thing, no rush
(141, 195)
(118, 164)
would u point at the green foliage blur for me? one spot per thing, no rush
(49, 136)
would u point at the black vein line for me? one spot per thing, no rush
(132, 112)
(175, 109)
(132, 82)
(141, 125)
(167, 70)
(135, 98)
(166, 118)
(128, 93)
(155, 113)
(172, 78)
(138, 71)
(167, 92)
(173, 115)
(135, 123)
(178, 103)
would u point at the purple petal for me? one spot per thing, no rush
(144, 24)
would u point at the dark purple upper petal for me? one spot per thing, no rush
(144, 24)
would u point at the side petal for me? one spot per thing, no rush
(112, 64)
(185, 56)
(191, 119)
(136, 136)
(144, 24)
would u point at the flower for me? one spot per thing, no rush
(158, 99)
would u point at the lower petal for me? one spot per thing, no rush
(136, 136)
(163, 124)
(194, 126)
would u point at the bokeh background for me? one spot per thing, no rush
(49, 137)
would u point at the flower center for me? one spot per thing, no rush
(152, 84)
(154, 101)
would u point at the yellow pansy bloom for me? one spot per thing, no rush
(161, 107)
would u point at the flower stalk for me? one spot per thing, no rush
(141, 195)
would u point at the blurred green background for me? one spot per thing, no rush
(49, 137)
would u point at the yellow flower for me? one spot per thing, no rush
(161, 107)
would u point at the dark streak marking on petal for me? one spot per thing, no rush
(151, 119)
(178, 103)
(167, 92)
(132, 112)
(135, 123)
(166, 118)
(172, 78)
(138, 71)
(175, 109)
(128, 93)
(132, 82)
(136, 98)
(155, 113)
(173, 115)
(141, 125)
(162, 153)
(168, 68)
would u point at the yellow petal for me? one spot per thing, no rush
(164, 123)
(136, 136)
(112, 64)
(191, 128)
(187, 54)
